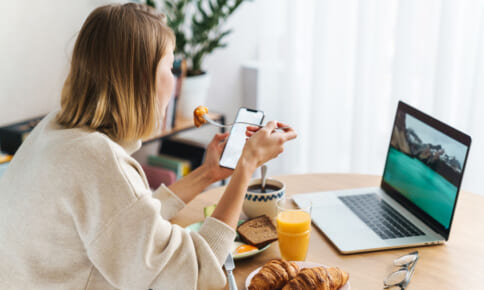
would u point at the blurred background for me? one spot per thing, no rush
(334, 70)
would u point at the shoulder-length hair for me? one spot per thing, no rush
(111, 86)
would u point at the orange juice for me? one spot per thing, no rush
(293, 228)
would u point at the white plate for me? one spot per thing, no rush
(196, 227)
(302, 265)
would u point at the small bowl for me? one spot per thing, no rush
(257, 204)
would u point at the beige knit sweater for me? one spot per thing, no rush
(76, 212)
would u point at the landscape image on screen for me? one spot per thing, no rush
(425, 166)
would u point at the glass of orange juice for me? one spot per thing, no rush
(293, 229)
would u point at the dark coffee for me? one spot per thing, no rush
(256, 188)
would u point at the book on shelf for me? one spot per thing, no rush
(180, 166)
(184, 149)
(170, 114)
(13, 135)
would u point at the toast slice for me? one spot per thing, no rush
(259, 231)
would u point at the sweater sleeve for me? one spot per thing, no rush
(171, 204)
(127, 238)
(141, 250)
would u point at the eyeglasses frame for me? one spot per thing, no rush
(409, 267)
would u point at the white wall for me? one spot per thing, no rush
(36, 39)
(225, 65)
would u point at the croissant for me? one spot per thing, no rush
(319, 278)
(198, 114)
(273, 275)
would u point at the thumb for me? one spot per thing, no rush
(271, 125)
(219, 138)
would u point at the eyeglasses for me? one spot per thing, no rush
(401, 277)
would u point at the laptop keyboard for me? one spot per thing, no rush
(380, 217)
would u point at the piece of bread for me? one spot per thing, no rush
(273, 275)
(259, 231)
(319, 278)
(198, 115)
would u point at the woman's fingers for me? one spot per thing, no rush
(222, 143)
(271, 126)
(251, 130)
(219, 137)
(280, 124)
(285, 126)
(222, 136)
(266, 143)
(289, 134)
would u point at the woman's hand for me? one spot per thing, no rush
(209, 172)
(263, 145)
(211, 163)
(266, 143)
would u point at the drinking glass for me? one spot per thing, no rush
(293, 229)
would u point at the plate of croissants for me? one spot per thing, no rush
(286, 275)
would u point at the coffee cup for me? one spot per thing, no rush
(258, 202)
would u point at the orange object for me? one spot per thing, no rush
(5, 158)
(293, 229)
(244, 249)
(198, 114)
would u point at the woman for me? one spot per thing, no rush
(76, 210)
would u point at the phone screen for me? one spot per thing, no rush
(237, 136)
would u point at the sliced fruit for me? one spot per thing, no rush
(208, 210)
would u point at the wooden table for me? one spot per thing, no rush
(458, 264)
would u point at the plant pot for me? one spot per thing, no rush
(193, 94)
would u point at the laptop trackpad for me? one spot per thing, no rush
(341, 225)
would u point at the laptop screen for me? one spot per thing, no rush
(425, 164)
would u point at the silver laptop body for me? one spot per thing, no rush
(349, 233)
(428, 208)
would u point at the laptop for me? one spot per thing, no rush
(416, 200)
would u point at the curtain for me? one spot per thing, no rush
(335, 70)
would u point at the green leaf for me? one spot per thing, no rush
(180, 5)
(227, 32)
(212, 5)
(201, 10)
(221, 3)
(206, 24)
(168, 5)
(151, 3)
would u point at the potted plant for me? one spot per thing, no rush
(198, 27)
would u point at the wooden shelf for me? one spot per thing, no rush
(183, 124)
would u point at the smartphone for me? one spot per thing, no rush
(236, 141)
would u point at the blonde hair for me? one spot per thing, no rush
(111, 86)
